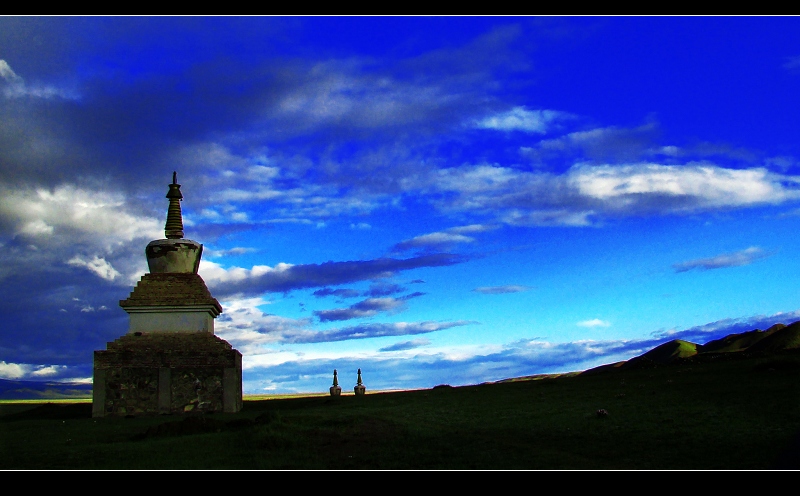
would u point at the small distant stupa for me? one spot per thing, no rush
(360, 388)
(170, 361)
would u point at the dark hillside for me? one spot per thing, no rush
(734, 411)
(779, 339)
(737, 342)
(662, 354)
(786, 338)
(29, 390)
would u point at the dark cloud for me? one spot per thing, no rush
(609, 144)
(366, 308)
(187, 81)
(406, 345)
(339, 293)
(378, 289)
(54, 318)
(329, 274)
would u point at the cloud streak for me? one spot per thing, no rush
(509, 288)
(441, 240)
(285, 277)
(366, 308)
(594, 323)
(406, 345)
(368, 330)
(586, 192)
(17, 88)
(522, 119)
(736, 259)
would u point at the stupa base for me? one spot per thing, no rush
(167, 373)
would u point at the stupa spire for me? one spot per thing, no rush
(175, 253)
(173, 229)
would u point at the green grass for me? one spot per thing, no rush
(732, 413)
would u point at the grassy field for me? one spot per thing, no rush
(733, 412)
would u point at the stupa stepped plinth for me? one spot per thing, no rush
(170, 361)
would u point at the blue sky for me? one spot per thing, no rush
(430, 199)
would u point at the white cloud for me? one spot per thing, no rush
(212, 272)
(36, 227)
(442, 239)
(25, 371)
(7, 73)
(548, 217)
(472, 228)
(98, 266)
(262, 173)
(17, 87)
(238, 250)
(48, 371)
(586, 193)
(705, 185)
(594, 323)
(521, 119)
(13, 370)
(670, 150)
(100, 215)
(437, 239)
(476, 179)
(249, 329)
(344, 93)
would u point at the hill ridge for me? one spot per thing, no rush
(777, 338)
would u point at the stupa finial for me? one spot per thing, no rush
(174, 226)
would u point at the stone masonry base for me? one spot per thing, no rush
(167, 373)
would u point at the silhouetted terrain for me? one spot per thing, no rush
(777, 338)
(35, 390)
(731, 403)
